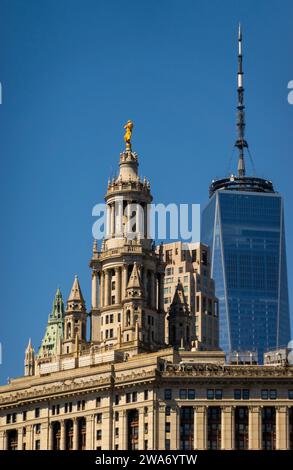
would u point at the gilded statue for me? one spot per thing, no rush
(128, 133)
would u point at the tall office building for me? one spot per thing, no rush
(189, 263)
(243, 223)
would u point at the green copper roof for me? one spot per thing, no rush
(55, 327)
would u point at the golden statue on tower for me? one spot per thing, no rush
(128, 133)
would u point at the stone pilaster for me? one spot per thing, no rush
(200, 427)
(75, 434)
(90, 432)
(94, 289)
(282, 428)
(254, 427)
(107, 431)
(175, 428)
(227, 428)
(141, 429)
(62, 435)
(161, 428)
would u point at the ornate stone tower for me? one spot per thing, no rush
(127, 274)
(181, 321)
(29, 361)
(75, 320)
(54, 330)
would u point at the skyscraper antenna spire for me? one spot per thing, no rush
(240, 143)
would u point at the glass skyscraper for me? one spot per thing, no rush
(243, 223)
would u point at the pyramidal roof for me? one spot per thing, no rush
(179, 297)
(75, 293)
(134, 280)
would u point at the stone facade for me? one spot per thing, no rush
(189, 263)
(140, 404)
(131, 386)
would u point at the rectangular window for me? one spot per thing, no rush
(264, 394)
(290, 394)
(183, 393)
(98, 402)
(218, 394)
(24, 415)
(111, 333)
(53, 409)
(14, 417)
(37, 444)
(273, 394)
(8, 419)
(37, 428)
(146, 428)
(237, 394)
(146, 394)
(146, 410)
(128, 397)
(58, 409)
(245, 394)
(167, 427)
(70, 407)
(116, 432)
(111, 318)
(167, 410)
(191, 394)
(146, 445)
(37, 412)
(117, 399)
(210, 394)
(99, 418)
(134, 396)
(168, 394)
(167, 444)
(83, 405)
(66, 408)
(99, 434)
(119, 317)
(116, 415)
(180, 270)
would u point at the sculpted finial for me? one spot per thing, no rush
(128, 133)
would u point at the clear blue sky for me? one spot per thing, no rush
(72, 73)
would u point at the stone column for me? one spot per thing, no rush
(3, 440)
(44, 436)
(200, 427)
(107, 431)
(94, 289)
(123, 430)
(118, 284)
(161, 428)
(227, 428)
(89, 432)
(175, 428)
(108, 223)
(107, 288)
(75, 434)
(29, 438)
(282, 428)
(19, 439)
(124, 280)
(141, 429)
(62, 434)
(151, 440)
(254, 428)
(50, 430)
(112, 220)
(102, 288)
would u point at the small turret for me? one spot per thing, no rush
(54, 329)
(29, 361)
(75, 318)
(181, 322)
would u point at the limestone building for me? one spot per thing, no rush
(127, 386)
(189, 263)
